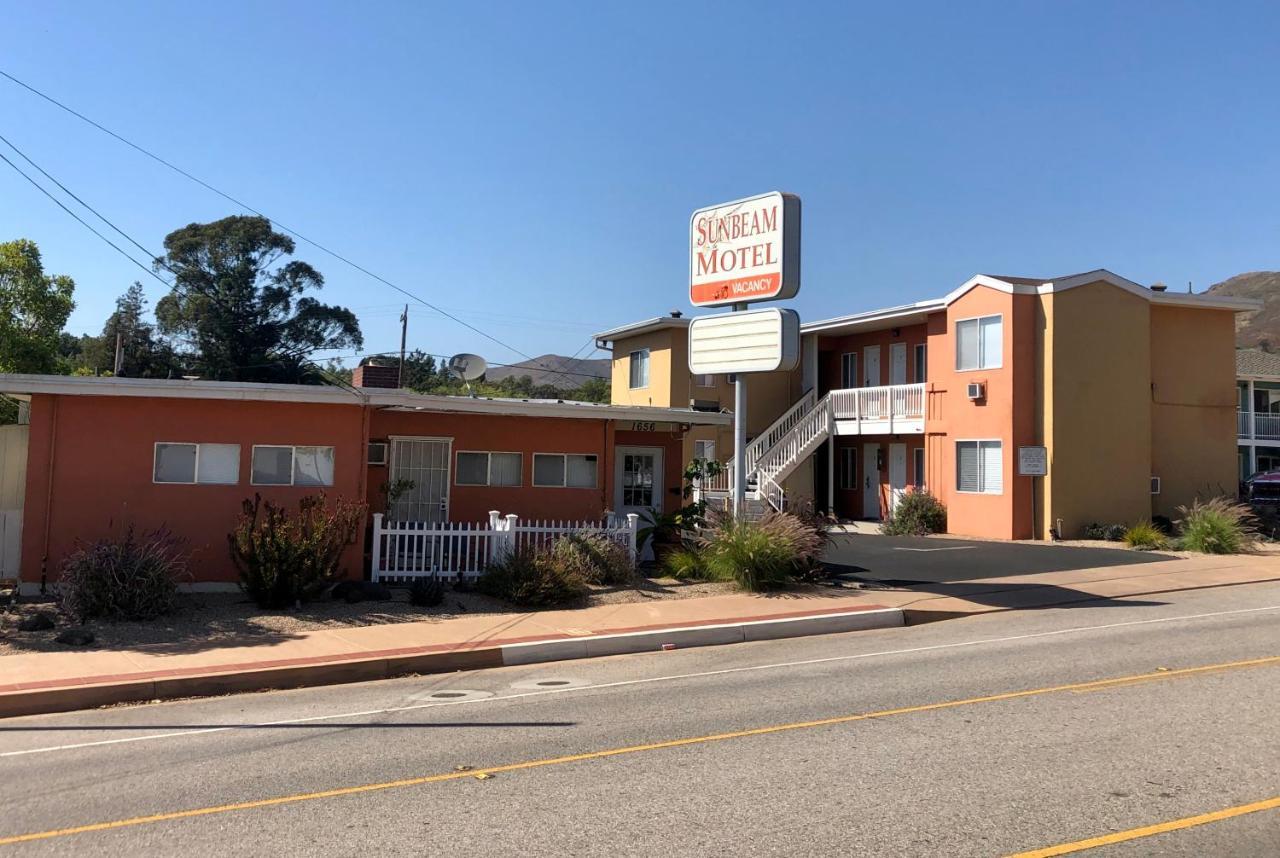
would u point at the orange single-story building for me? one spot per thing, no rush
(96, 455)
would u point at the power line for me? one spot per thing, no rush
(250, 208)
(83, 223)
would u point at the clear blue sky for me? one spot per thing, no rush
(533, 165)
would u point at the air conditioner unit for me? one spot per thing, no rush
(1155, 485)
(377, 453)
(977, 389)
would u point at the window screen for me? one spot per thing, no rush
(272, 466)
(313, 466)
(219, 464)
(175, 463)
(548, 469)
(580, 472)
(504, 469)
(473, 469)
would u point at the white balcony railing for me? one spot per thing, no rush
(1260, 426)
(894, 402)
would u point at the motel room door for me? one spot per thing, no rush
(425, 463)
(871, 366)
(637, 480)
(870, 481)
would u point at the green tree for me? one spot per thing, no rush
(241, 313)
(593, 390)
(142, 354)
(34, 307)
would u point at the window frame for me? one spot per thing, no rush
(195, 472)
(488, 468)
(847, 470)
(920, 354)
(918, 466)
(705, 381)
(703, 442)
(981, 367)
(981, 477)
(631, 370)
(564, 457)
(293, 459)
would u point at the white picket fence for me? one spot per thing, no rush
(404, 550)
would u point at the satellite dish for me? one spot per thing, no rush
(467, 367)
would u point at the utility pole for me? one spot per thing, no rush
(404, 334)
(119, 356)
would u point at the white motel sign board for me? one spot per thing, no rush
(743, 251)
(1033, 461)
(753, 341)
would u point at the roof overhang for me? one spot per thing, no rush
(637, 328)
(23, 386)
(1101, 275)
(875, 320)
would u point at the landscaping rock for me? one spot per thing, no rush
(37, 622)
(75, 637)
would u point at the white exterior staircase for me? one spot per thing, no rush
(777, 451)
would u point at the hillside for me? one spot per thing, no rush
(548, 369)
(1259, 326)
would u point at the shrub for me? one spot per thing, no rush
(284, 559)
(426, 592)
(595, 558)
(918, 513)
(760, 555)
(685, 564)
(1145, 536)
(532, 577)
(1107, 532)
(1217, 526)
(126, 579)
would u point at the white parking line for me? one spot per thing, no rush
(625, 682)
(949, 548)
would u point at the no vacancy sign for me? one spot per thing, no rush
(745, 251)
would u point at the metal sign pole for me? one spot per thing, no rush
(739, 438)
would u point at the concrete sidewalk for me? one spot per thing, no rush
(59, 681)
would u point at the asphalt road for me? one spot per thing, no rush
(985, 736)
(935, 560)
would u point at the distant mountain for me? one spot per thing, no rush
(1256, 327)
(558, 370)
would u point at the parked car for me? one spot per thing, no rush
(1263, 487)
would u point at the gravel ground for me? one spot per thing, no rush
(217, 618)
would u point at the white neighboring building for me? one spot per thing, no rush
(1258, 388)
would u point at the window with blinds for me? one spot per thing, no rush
(979, 343)
(979, 467)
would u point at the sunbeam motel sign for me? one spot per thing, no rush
(745, 251)
(740, 253)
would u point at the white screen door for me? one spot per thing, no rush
(898, 363)
(425, 463)
(871, 366)
(638, 479)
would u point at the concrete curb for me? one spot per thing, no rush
(171, 685)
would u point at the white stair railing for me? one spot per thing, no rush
(786, 455)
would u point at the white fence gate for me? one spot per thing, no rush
(404, 550)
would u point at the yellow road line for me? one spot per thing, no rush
(1119, 681)
(1150, 830)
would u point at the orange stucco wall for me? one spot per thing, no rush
(90, 466)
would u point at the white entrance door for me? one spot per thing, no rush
(637, 480)
(897, 473)
(871, 366)
(898, 363)
(424, 463)
(870, 482)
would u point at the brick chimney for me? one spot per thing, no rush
(373, 375)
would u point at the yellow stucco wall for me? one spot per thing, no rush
(667, 349)
(1193, 405)
(1096, 392)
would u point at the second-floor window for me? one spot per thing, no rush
(922, 363)
(639, 361)
(704, 380)
(979, 343)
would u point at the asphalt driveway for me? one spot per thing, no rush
(909, 560)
